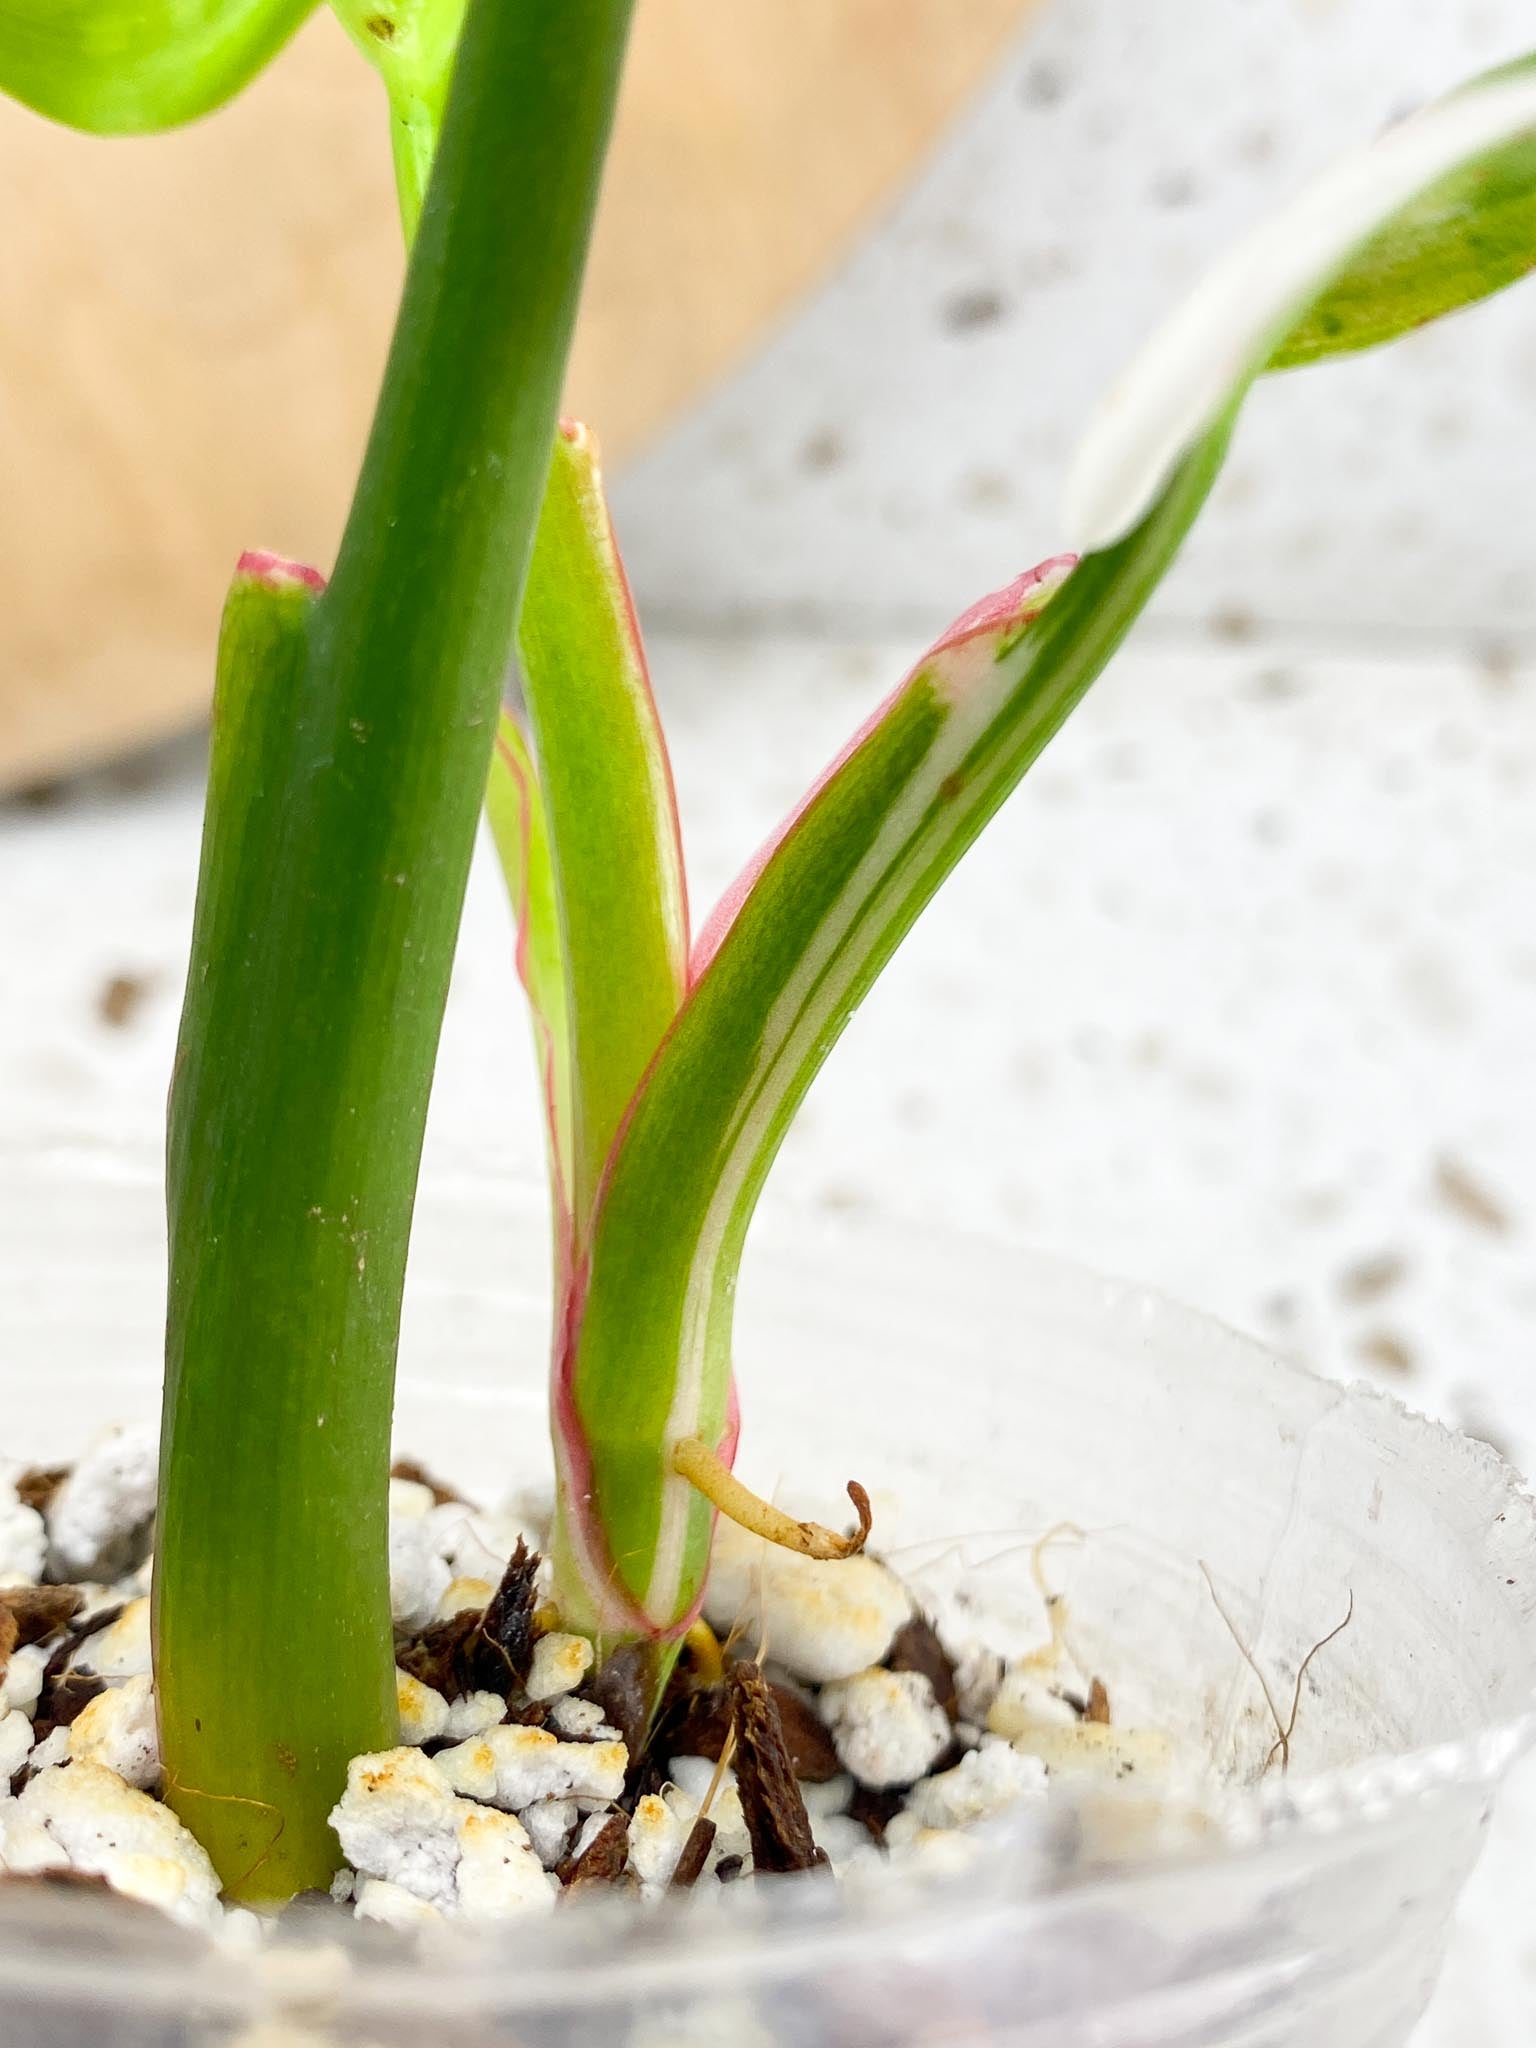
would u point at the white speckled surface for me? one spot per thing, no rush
(901, 445)
(1236, 997)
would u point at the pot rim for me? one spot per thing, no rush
(1273, 1819)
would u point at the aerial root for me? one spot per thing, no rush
(705, 1469)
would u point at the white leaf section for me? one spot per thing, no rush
(1198, 360)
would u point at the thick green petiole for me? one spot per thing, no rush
(354, 732)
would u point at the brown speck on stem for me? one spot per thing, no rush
(380, 27)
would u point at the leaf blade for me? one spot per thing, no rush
(133, 67)
(1225, 332)
(1469, 236)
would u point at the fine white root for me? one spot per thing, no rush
(1285, 1727)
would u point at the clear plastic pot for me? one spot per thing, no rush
(984, 1395)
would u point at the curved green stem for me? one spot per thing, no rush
(355, 732)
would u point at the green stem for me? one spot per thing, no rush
(354, 732)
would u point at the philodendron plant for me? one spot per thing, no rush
(359, 723)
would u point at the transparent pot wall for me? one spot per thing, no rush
(984, 1397)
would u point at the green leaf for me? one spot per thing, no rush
(341, 817)
(1466, 238)
(1230, 327)
(130, 67)
(607, 791)
(514, 806)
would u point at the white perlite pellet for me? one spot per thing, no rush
(1034, 1693)
(691, 1778)
(22, 1686)
(391, 1905)
(118, 1729)
(23, 1538)
(843, 1841)
(121, 1650)
(410, 1500)
(513, 1766)
(463, 1596)
(99, 1513)
(824, 1620)
(474, 1544)
(423, 1711)
(886, 1726)
(832, 1796)
(657, 1832)
(400, 1822)
(985, 1782)
(15, 1748)
(550, 1824)
(472, 1713)
(581, 1718)
(53, 1749)
(418, 1577)
(444, 1558)
(499, 1877)
(560, 1663)
(83, 1817)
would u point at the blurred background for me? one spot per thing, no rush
(1239, 996)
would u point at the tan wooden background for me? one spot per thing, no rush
(191, 327)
